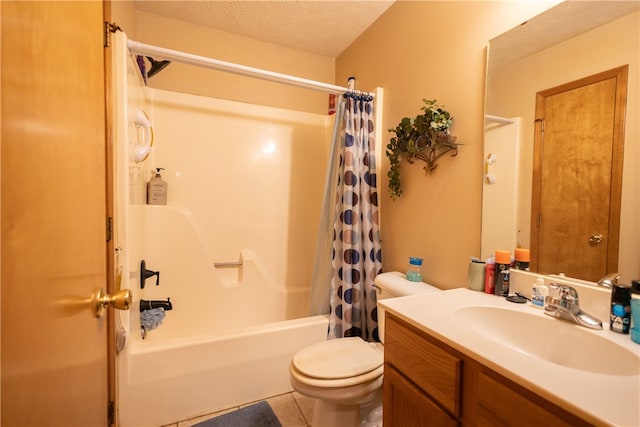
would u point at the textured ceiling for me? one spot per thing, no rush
(318, 26)
(564, 21)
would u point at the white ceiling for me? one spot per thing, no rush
(320, 26)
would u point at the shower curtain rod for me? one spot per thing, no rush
(497, 119)
(138, 48)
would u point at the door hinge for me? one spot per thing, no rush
(109, 27)
(111, 413)
(538, 220)
(109, 228)
(541, 123)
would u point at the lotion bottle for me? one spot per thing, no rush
(157, 190)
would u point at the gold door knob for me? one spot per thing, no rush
(595, 238)
(120, 301)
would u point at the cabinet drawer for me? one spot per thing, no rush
(432, 369)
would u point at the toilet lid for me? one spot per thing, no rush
(338, 358)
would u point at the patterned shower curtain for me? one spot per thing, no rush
(357, 255)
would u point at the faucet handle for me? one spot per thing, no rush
(567, 293)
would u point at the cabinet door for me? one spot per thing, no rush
(406, 406)
(499, 405)
(430, 367)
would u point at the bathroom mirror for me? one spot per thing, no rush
(571, 41)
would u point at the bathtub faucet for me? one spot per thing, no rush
(151, 304)
(145, 274)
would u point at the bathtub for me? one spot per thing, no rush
(164, 382)
(228, 339)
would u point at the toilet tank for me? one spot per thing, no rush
(395, 284)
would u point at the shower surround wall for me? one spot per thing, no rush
(245, 185)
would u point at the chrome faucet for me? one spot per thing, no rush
(564, 304)
(609, 280)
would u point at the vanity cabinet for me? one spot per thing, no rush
(428, 383)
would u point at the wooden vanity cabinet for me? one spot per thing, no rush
(428, 383)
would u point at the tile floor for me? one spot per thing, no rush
(292, 410)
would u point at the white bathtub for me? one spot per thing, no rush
(228, 339)
(164, 382)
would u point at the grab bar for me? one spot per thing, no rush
(227, 264)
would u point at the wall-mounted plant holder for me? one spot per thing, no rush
(425, 137)
(142, 148)
(145, 274)
(432, 151)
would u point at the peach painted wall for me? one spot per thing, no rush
(212, 43)
(432, 50)
(124, 14)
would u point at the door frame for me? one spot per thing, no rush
(615, 195)
(111, 250)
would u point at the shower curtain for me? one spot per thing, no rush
(322, 268)
(356, 250)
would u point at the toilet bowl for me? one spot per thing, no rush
(345, 375)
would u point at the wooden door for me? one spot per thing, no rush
(53, 214)
(577, 176)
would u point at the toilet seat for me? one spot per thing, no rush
(337, 383)
(338, 363)
(338, 358)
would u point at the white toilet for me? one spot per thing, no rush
(345, 375)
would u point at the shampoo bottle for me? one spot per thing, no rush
(157, 190)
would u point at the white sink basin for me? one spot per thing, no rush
(553, 340)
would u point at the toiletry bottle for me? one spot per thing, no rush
(503, 266)
(620, 315)
(157, 190)
(538, 292)
(521, 260)
(635, 311)
(489, 275)
(475, 275)
(414, 273)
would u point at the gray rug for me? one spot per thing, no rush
(257, 415)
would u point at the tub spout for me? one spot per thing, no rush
(151, 304)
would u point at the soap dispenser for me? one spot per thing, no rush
(157, 189)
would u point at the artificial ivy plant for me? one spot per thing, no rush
(425, 137)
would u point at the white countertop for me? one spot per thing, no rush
(599, 398)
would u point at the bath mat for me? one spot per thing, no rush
(257, 415)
